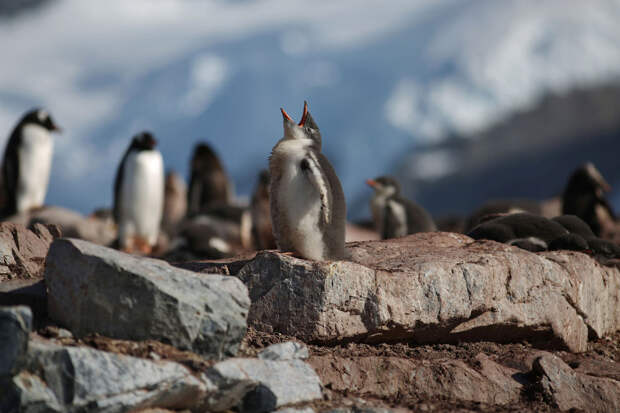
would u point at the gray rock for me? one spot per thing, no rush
(15, 327)
(262, 385)
(289, 350)
(572, 390)
(27, 393)
(435, 287)
(76, 379)
(94, 289)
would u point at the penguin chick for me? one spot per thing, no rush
(393, 215)
(584, 196)
(308, 210)
(209, 185)
(534, 231)
(139, 195)
(262, 232)
(27, 162)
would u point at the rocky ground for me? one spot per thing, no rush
(431, 322)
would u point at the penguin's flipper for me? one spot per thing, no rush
(311, 168)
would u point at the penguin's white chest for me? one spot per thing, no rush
(300, 203)
(35, 161)
(142, 196)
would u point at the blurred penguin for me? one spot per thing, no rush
(175, 203)
(139, 195)
(209, 185)
(393, 215)
(262, 231)
(27, 162)
(584, 196)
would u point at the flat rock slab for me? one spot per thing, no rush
(433, 287)
(94, 289)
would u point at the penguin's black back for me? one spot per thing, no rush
(418, 219)
(575, 225)
(209, 183)
(517, 226)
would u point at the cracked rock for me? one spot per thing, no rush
(435, 287)
(94, 289)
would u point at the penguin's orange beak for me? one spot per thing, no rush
(371, 182)
(305, 115)
(285, 114)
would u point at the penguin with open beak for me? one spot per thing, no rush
(395, 216)
(307, 204)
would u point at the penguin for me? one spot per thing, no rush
(262, 232)
(175, 203)
(209, 185)
(308, 208)
(584, 196)
(139, 195)
(393, 215)
(27, 162)
(527, 231)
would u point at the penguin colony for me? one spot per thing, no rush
(298, 205)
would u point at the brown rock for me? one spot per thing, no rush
(386, 377)
(435, 287)
(23, 251)
(572, 390)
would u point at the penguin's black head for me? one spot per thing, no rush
(386, 185)
(204, 152)
(587, 180)
(40, 117)
(144, 141)
(305, 129)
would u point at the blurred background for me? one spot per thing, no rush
(463, 100)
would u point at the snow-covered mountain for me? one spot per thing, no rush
(381, 78)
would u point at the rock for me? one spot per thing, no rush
(94, 289)
(71, 223)
(386, 377)
(571, 390)
(435, 287)
(61, 378)
(289, 350)
(27, 393)
(15, 327)
(23, 251)
(264, 385)
(293, 410)
(30, 293)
